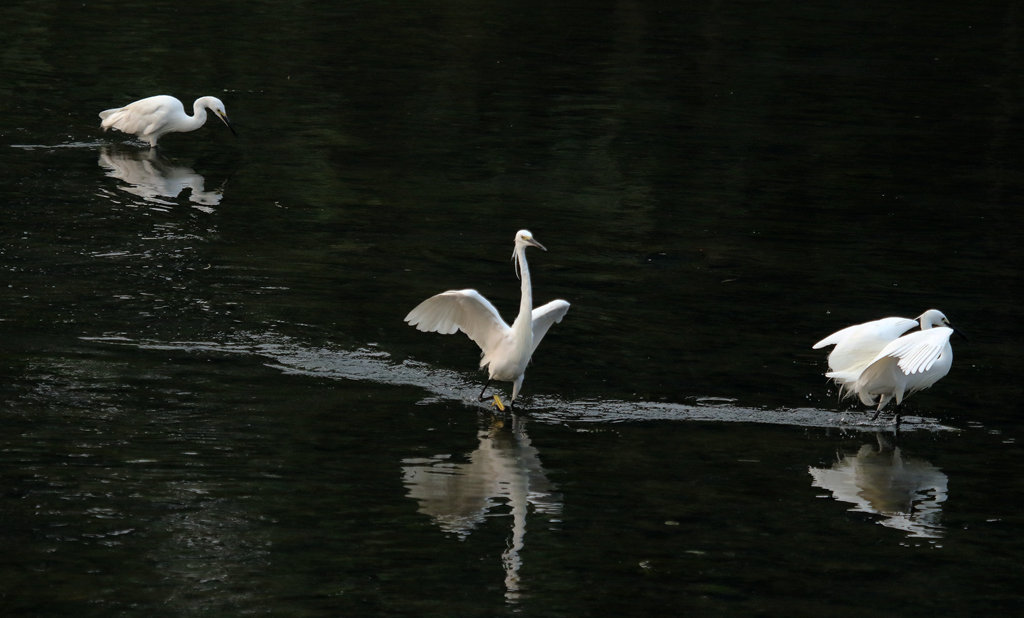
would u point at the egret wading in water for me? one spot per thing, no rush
(152, 117)
(877, 359)
(505, 350)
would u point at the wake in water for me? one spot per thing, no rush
(368, 364)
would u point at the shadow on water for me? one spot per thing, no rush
(374, 365)
(907, 492)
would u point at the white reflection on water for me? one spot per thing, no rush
(147, 174)
(459, 496)
(907, 492)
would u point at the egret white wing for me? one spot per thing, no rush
(917, 352)
(141, 117)
(836, 337)
(465, 310)
(886, 328)
(546, 315)
(859, 345)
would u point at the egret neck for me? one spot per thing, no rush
(522, 328)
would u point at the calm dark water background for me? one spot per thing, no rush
(210, 405)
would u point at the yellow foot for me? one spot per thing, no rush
(497, 402)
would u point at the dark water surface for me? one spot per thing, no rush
(210, 405)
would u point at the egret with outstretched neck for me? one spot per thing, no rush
(877, 362)
(505, 350)
(152, 117)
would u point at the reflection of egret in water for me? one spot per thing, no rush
(458, 496)
(908, 493)
(152, 177)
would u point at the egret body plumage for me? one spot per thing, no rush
(877, 362)
(505, 350)
(152, 117)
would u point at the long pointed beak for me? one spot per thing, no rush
(224, 119)
(533, 242)
(959, 332)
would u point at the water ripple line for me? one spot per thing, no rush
(370, 364)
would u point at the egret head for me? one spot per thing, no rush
(932, 317)
(216, 106)
(524, 239)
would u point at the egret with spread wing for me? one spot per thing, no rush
(505, 350)
(876, 359)
(152, 117)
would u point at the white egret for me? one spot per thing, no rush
(876, 359)
(505, 350)
(152, 117)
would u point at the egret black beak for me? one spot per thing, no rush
(959, 332)
(224, 119)
(534, 243)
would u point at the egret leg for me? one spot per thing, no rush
(486, 384)
(883, 399)
(516, 385)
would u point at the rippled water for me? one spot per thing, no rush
(210, 404)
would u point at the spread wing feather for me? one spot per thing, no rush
(546, 315)
(465, 310)
(917, 352)
(858, 345)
